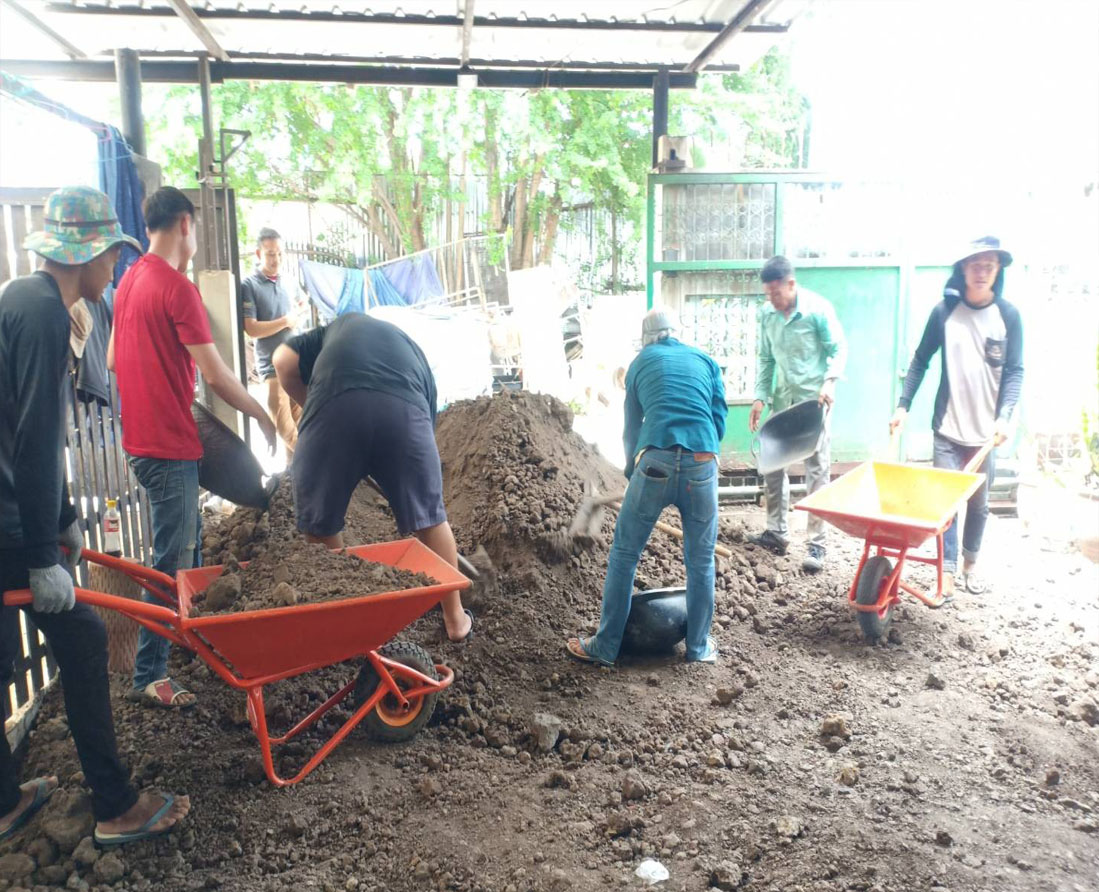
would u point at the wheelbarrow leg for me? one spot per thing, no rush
(259, 725)
(858, 572)
(938, 598)
(258, 717)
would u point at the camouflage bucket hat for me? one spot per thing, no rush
(80, 224)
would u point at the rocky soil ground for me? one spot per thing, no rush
(961, 755)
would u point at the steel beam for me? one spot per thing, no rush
(740, 22)
(435, 62)
(444, 21)
(467, 32)
(128, 73)
(660, 112)
(186, 73)
(184, 11)
(73, 52)
(208, 216)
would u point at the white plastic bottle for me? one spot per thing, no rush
(112, 529)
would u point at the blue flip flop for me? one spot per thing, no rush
(469, 635)
(145, 831)
(581, 653)
(42, 793)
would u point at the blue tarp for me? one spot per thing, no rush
(337, 290)
(324, 284)
(118, 178)
(351, 295)
(382, 293)
(415, 279)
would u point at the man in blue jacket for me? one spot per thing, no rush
(675, 419)
(981, 338)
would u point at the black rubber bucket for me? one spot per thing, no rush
(657, 621)
(228, 468)
(789, 436)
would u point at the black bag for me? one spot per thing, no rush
(228, 468)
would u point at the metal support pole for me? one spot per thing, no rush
(128, 73)
(208, 226)
(660, 112)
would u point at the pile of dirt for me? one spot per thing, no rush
(514, 474)
(300, 572)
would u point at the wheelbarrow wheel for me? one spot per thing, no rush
(388, 722)
(875, 573)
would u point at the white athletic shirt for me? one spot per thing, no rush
(974, 343)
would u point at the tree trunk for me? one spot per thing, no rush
(549, 230)
(369, 217)
(519, 227)
(530, 230)
(492, 173)
(614, 252)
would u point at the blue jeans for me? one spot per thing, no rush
(951, 455)
(663, 477)
(172, 488)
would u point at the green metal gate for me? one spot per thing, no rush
(708, 235)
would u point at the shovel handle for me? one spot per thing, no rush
(677, 533)
(974, 463)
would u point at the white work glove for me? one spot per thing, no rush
(73, 540)
(52, 588)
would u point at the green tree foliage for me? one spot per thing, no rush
(396, 158)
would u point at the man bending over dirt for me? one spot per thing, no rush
(369, 410)
(675, 419)
(80, 246)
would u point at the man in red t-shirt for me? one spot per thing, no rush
(161, 333)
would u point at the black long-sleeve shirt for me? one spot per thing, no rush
(34, 364)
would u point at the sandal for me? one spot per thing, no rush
(577, 649)
(145, 831)
(42, 792)
(711, 654)
(468, 637)
(974, 584)
(164, 693)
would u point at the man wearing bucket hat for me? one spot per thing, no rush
(981, 338)
(675, 419)
(80, 243)
(802, 353)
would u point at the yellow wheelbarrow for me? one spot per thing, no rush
(894, 508)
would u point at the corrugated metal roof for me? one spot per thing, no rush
(576, 34)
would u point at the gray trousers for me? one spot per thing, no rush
(818, 467)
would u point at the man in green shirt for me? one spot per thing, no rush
(802, 352)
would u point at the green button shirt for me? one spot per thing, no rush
(797, 355)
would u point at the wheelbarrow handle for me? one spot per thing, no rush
(159, 585)
(138, 609)
(974, 463)
(676, 533)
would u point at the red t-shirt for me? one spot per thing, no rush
(157, 311)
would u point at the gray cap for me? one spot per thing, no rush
(657, 322)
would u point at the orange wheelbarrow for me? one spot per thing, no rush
(895, 508)
(395, 691)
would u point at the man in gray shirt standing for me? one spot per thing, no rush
(980, 338)
(268, 320)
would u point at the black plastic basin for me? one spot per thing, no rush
(789, 436)
(657, 621)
